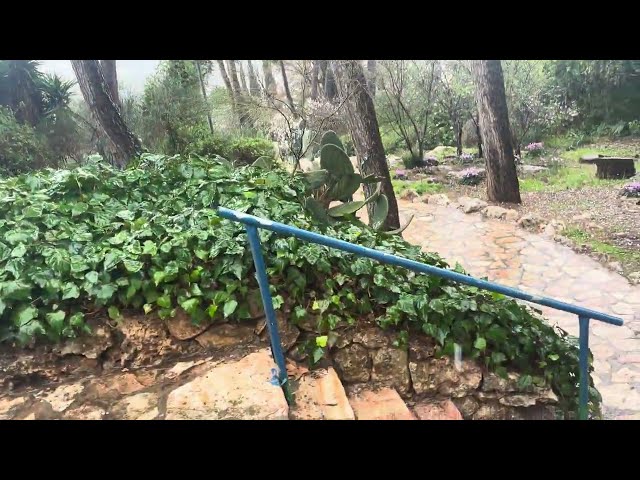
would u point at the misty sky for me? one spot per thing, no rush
(132, 74)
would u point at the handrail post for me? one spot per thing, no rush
(270, 314)
(584, 367)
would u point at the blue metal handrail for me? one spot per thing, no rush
(252, 223)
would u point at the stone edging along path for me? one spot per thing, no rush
(514, 256)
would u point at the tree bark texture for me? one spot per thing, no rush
(287, 91)
(204, 95)
(254, 87)
(243, 79)
(502, 179)
(111, 77)
(94, 89)
(227, 83)
(269, 81)
(315, 72)
(238, 93)
(371, 69)
(363, 124)
(330, 90)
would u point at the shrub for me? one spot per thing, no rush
(442, 151)
(147, 239)
(208, 145)
(21, 148)
(471, 176)
(410, 161)
(631, 190)
(244, 151)
(391, 141)
(240, 151)
(634, 128)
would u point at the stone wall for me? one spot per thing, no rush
(366, 354)
(363, 356)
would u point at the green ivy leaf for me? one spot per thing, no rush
(164, 301)
(149, 248)
(229, 308)
(480, 343)
(70, 290)
(19, 251)
(114, 313)
(25, 315)
(190, 305)
(105, 292)
(79, 208)
(92, 277)
(322, 341)
(125, 215)
(318, 353)
(213, 308)
(278, 301)
(437, 306)
(132, 266)
(56, 321)
(158, 277)
(76, 320)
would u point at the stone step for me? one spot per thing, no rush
(239, 390)
(319, 395)
(382, 404)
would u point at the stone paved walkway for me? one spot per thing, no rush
(512, 256)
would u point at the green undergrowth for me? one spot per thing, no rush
(421, 187)
(614, 252)
(570, 177)
(608, 150)
(148, 239)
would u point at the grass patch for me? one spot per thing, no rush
(617, 151)
(570, 177)
(420, 186)
(623, 255)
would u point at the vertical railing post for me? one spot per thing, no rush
(584, 367)
(267, 302)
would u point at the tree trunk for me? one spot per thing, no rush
(269, 81)
(254, 87)
(233, 75)
(363, 124)
(94, 90)
(204, 95)
(323, 73)
(227, 83)
(315, 72)
(480, 152)
(237, 91)
(371, 68)
(459, 137)
(287, 92)
(502, 179)
(111, 77)
(243, 81)
(330, 90)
